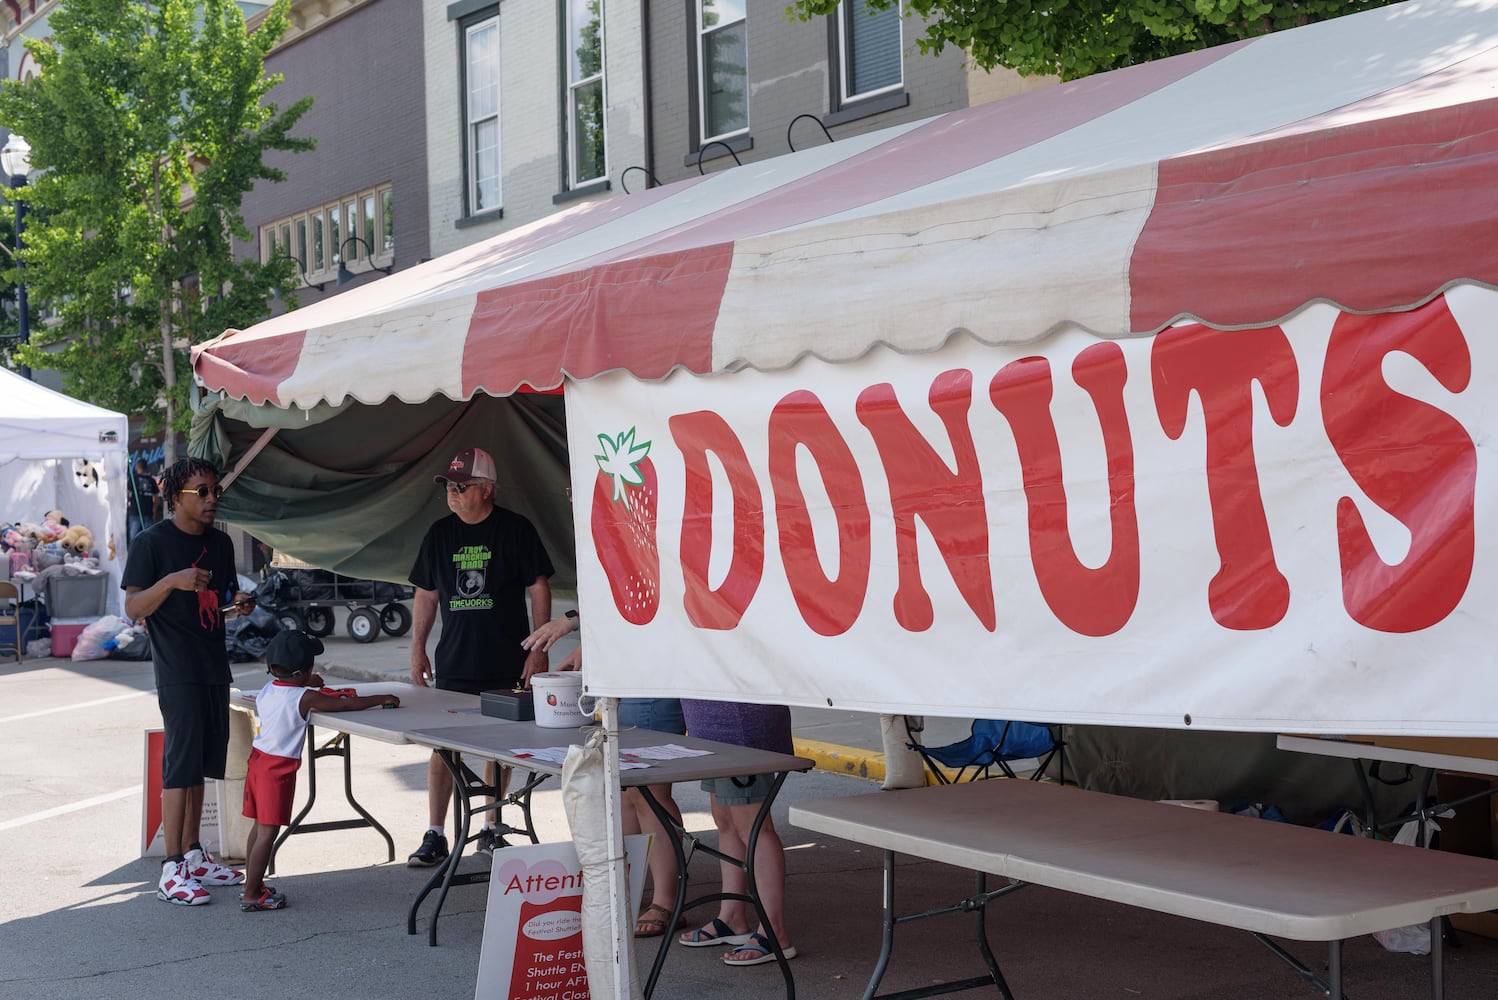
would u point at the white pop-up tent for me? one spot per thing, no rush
(1158, 398)
(60, 453)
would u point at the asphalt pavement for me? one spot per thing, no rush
(79, 918)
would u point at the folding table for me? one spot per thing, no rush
(500, 743)
(1271, 879)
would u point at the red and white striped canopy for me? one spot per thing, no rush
(1350, 161)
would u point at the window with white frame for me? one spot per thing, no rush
(868, 49)
(358, 229)
(585, 136)
(722, 68)
(481, 113)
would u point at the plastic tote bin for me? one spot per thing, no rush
(76, 596)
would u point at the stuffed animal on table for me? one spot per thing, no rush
(79, 539)
(51, 528)
(11, 537)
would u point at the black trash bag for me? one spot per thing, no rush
(354, 589)
(388, 592)
(246, 636)
(272, 591)
(138, 648)
(314, 584)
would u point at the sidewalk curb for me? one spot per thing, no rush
(853, 761)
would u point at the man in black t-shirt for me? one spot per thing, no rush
(147, 497)
(477, 566)
(180, 577)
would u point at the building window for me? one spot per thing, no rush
(585, 139)
(481, 113)
(722, 68)
(868, 49)
(317, 237)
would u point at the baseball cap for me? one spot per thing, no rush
(292, 650)
(473, 463)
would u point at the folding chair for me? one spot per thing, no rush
(992, 743)
(10, 614)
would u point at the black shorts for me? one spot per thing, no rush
(195, 718)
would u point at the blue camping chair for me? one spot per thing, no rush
(993, 743)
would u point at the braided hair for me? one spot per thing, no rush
(177, 475)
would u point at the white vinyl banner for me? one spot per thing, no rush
(1268, 529)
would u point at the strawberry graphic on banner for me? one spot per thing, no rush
(625, 496)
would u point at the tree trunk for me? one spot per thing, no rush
(169, 377)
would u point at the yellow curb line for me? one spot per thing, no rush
(838, 759)
(860, 763)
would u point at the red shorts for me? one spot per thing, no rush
(270, 788)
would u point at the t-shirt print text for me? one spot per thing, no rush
(471, 563)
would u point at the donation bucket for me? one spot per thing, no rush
(556, 699)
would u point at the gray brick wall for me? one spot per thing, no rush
(368, 117)
(789, 75)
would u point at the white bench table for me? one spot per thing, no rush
(1271, 879)
(1429, 761)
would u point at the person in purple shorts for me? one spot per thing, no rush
(735, 804)
(663, 715)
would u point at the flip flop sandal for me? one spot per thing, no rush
(715, 933)
(656, 924)
(763, 953)
(267, 900)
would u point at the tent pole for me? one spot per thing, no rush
(249, 456)
(623, 986)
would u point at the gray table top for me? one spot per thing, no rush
(421, 708)
(1274, 878)
(499, 743)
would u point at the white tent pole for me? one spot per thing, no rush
(623, 981)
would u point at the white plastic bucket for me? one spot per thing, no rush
(556, 699)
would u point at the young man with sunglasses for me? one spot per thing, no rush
(476, 566)
(180, 576)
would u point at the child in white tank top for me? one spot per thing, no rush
(270, 781)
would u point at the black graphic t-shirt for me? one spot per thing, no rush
(187, 631)
(480, 573)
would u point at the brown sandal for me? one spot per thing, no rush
(649, 925)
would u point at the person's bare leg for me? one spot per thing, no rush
(664, 873)
(173, 807)
(439, 791)
(769, 873)
(257, 858)
(192, 817)
(738, 915)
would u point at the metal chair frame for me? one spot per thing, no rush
(10, 593)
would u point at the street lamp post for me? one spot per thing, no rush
(15, 160)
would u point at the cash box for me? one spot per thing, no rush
(517, 706)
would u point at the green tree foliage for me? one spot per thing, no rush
(1076, 38)
(148, 124)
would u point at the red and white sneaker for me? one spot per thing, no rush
(201, 866)
(177, 886)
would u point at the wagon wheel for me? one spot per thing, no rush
(364, 625)
(395, 619)
(292, 619)
(320, 621)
